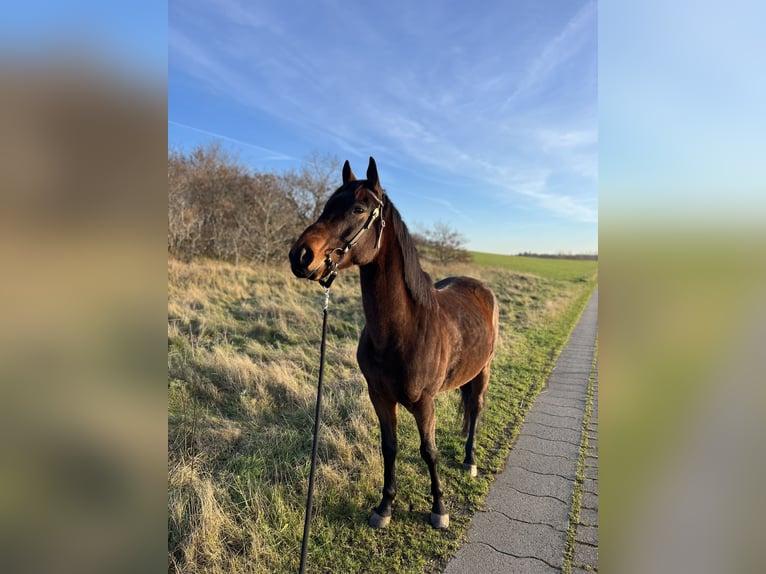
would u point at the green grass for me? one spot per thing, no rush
(243, 346)
(562, 269)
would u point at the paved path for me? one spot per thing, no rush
(524, 527)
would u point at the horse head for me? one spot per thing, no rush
(340, 238)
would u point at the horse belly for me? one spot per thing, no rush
(399, 375)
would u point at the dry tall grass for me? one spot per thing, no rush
(242, 365)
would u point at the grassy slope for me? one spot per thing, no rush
(242, 359)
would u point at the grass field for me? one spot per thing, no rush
(243, 346)
(564, 269)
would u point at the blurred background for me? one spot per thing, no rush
(682, 271)
(83, 297)
(83, 204)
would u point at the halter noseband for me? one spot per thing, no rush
(332, 266)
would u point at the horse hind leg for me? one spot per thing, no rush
(472, 394)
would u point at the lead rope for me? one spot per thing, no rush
(317, 413)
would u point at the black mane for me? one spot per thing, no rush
(418, 282)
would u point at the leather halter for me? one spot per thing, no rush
(331, 266)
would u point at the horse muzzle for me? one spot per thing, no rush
(301, 257)
(301, 260)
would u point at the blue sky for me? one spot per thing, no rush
(682, 119)
(482, 116)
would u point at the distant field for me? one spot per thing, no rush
(563, 269)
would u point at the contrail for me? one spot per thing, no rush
(277, 155)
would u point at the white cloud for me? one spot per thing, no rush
(555, 53)
(556, 139)
(534, 185)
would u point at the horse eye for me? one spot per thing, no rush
(358, 209)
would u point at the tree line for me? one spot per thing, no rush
(574, 256)
(220, 209)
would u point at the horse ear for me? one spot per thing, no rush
(348, 175)
(372, 176)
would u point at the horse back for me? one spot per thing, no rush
(471, 308)
(469, 295)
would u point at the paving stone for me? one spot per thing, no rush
(549, 448)
(571, 417)
(537, 484)
(554, 421)
(587, 534)
(481, 558)
(544, 464)
(590, 500)
(469, 555)
(585, 555)
(566, 379)
(529, 508)
(569, 394)
(565, 390)
(573, 376)
(588, 517)
(518, 538)
(549, 398)
(551, 433)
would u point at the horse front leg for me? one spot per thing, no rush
(386, 411)
(425, 417)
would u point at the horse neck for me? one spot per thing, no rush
(389, 308)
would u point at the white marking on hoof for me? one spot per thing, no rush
(471, 469)
(440, 521)
(378, 521)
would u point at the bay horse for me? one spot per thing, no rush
(419, 339)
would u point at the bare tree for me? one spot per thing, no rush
(183, 225)
(443, 243)
(218, 208)
(274, 220)
(310, 186)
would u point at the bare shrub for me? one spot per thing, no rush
(442, 243)
(312, 184)
(218, 208)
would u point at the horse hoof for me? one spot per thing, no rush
(471, 469)
(378, 521)
(440, 521)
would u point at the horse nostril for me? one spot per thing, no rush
(306, 256)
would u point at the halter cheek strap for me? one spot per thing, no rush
(332, 266)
